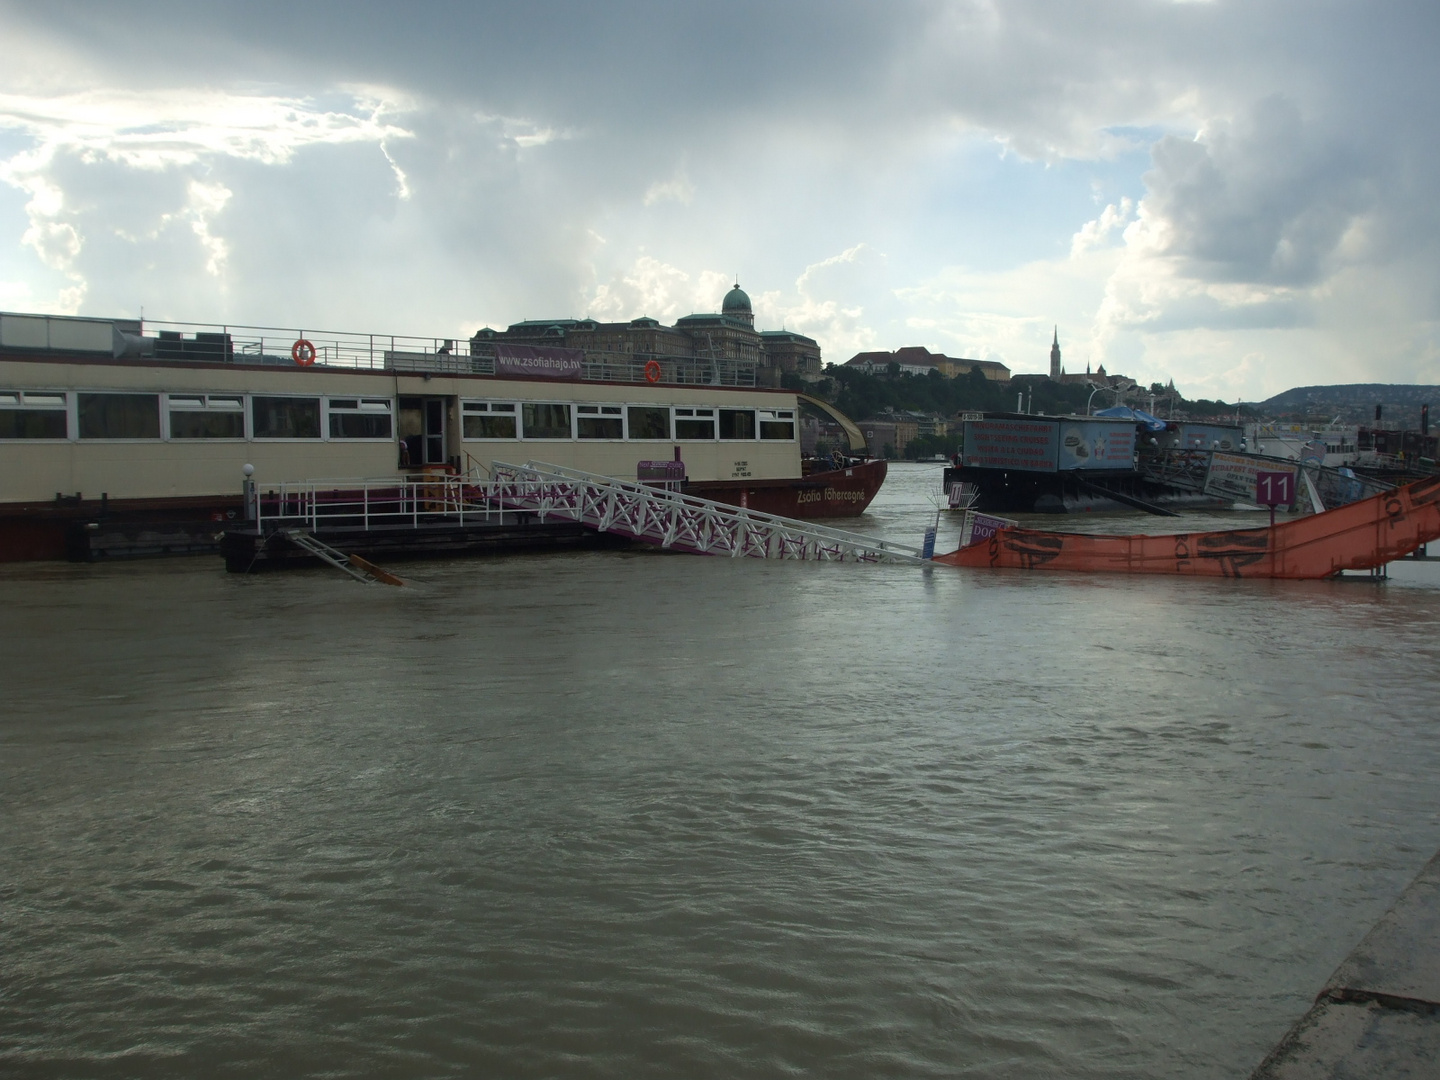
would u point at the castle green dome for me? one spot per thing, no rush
(736, 302)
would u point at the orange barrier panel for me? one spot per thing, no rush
(1360, 536)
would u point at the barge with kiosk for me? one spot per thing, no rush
(138, 431)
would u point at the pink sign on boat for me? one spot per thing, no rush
(543, 361)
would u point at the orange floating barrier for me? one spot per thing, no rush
(1359, 536)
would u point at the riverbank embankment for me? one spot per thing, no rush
(1379, 1014)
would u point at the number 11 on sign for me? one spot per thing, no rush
(1274, 488)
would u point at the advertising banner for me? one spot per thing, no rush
(542, 361)
(1026, 445)
(1233, 476)
(1096, 444)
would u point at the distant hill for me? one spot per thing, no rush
(1354, 403)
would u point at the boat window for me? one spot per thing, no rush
(196, 416)
(649, 422)
(31, 415)
(737, 423)
(360, 418)
(285, 417)
(694, 423)
(543, 420)
(599, 422)
(119, 416)
(777, 423)
(363, 418)
(488, 419)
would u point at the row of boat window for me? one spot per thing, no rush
(26, 415)
(560, 420)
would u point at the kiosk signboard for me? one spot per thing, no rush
(1236, 476)
(1022, 445)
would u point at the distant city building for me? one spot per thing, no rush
(918, 360)
(888, 438)
(1096, 378)
(728, 335)
(1058, 373)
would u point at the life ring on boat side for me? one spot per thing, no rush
(303, 353)
(652, 371)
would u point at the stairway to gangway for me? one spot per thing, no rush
(670, 519)
(361, 570)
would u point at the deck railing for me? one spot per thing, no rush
(408, 502)
(227, 343)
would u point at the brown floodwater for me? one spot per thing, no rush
(645, 815)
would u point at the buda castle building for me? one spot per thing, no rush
(727, 338)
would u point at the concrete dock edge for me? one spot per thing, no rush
(1379, 1013)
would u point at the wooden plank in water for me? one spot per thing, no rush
(382, 576)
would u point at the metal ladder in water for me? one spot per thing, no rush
(680, 522)
(360, 569)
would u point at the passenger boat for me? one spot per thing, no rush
(152, 424)
(1361, 535)
(842, 491)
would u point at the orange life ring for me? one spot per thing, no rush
(303, 353)
(652, 371)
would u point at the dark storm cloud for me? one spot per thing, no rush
(499, 160)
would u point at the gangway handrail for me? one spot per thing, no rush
(671, 519)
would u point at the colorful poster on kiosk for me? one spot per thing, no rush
(1096, 445)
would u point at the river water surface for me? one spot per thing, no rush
(647, 815)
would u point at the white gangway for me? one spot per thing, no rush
(680, 522)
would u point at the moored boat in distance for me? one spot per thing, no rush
(1361, 535)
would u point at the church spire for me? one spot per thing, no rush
(1055, 369)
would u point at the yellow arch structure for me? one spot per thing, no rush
(858, 445)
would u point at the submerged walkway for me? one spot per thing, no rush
(1379, 1014)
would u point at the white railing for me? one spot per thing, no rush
(681, 522)
(394, 352)
(408, 502)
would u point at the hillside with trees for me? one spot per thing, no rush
(864, 396)
(1353, 403)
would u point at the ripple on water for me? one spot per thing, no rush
(628, 816)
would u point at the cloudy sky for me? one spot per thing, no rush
(1242, 196)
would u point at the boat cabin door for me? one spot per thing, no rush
(422, 431)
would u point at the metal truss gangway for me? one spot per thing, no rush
(680, 522)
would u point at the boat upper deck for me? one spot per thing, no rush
(38, 336)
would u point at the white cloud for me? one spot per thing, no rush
(1093, 234)
(156, 133)
(438, 166)
(676, 189)
(656, 289)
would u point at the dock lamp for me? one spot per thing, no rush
(247, 488)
